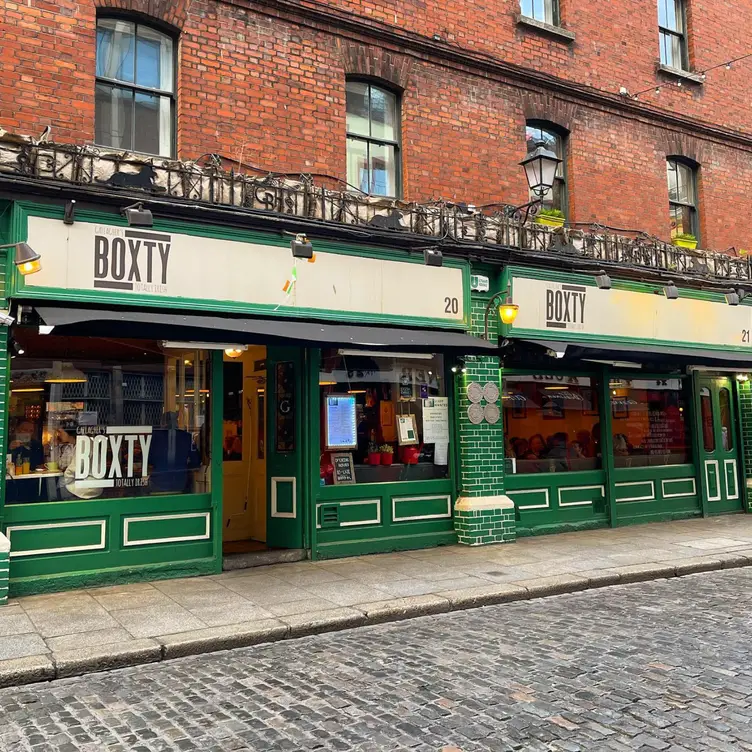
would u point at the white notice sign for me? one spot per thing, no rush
(436, 420)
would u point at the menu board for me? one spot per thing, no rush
(344, 470)
(341, 422)
(436, 420)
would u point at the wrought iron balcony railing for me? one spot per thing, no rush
(441, 222)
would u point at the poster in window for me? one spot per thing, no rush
(407, 430)
(285, 407)
(436, 420)
(406, 385)
(340, 418)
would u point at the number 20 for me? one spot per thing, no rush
(451, 305)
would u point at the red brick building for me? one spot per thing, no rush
(264, 85)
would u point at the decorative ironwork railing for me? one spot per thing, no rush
(438, 222)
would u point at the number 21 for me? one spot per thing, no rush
(745, 335)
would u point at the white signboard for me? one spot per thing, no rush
(436, 420)
(105, 456)
(88, 256)
(555, 309)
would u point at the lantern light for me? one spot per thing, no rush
(508, 312)
(540, 169)
(27, 260)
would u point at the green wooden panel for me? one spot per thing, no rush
(712, 480)
(637, 490)
(572, 496)
(167, 528)
(56, 537)
(531, 498)
(678, 487)
(412, 508)
(284, 491)
(350, 513)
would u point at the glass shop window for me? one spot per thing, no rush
(383, 419)
(551, 424)
(649, 422)
(98, 418)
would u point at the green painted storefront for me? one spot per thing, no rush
(83, 542)
(481, 492)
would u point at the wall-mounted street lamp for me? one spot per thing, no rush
(507, 310)
(27, 260)
(540, 167)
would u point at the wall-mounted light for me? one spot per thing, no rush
(69, 216)
(508, 310)
(137, 216)
(26, 259)
(433, 257)
(671, 291)
(236, 351)
(732, 298)
(603, 281)
(742, 377)
(302, 247)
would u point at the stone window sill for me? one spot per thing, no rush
(561, 35)
(683, 75)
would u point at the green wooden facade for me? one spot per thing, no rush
(61, 545)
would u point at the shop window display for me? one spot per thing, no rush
(649, 422)
(94, 418)
(551, 423)
(388, 414)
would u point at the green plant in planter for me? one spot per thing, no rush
(550, 217)
(685, 240)
(387, 454)
(387, 449)
(374, 448)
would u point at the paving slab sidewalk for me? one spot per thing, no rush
(64, 634)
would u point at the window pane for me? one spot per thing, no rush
(685, 184)
(682, 220)
(727, 432)
(706, 412)
(114, 117)
(154, 61)
(357, 108)
(383, 114)
(153, 124)
(663, 13)
(526, 8)
(649, 422)
(232, 418)
(673, 181)
(383, 170)
(66, 393)
(398, 411)
(115, 49)
(357, 164)
(552, 424)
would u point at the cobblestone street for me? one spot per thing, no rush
(655, 666)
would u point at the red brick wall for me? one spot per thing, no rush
(269, 92)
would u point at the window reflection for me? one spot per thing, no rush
(552, 423)
(649, 422)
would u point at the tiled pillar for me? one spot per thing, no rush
(745, 409)
(4, 568)
(483, 513)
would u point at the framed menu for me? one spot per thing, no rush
(340, 421)
(407, 430)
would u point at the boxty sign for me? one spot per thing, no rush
(555, 310)
(129, 261)
(112, 456)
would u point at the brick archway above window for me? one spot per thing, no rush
(684, 145)
(374, 62)
(547, 108)
(172, 12)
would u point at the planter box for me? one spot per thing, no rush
(691, 244)
(386, 458)
(550, 221)
(374, 458)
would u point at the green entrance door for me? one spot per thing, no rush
(285, 418)
(718, 446)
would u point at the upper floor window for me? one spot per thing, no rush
(546, 11)
(555, 141)
(135, 88)
(682, 198)
(373, 139)
(672, 32)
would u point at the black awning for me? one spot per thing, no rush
(643, 354)
(155, 324)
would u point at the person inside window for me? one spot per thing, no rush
(26, 446)
(537, 446)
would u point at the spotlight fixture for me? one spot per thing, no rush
(69, 217)
(603, 281)
(671, 291)
(732, 298)
(742, 377)
(27, 260)
(301, 247)
(433, 257)
(137, 216)
(235, 351)
(15, 348)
